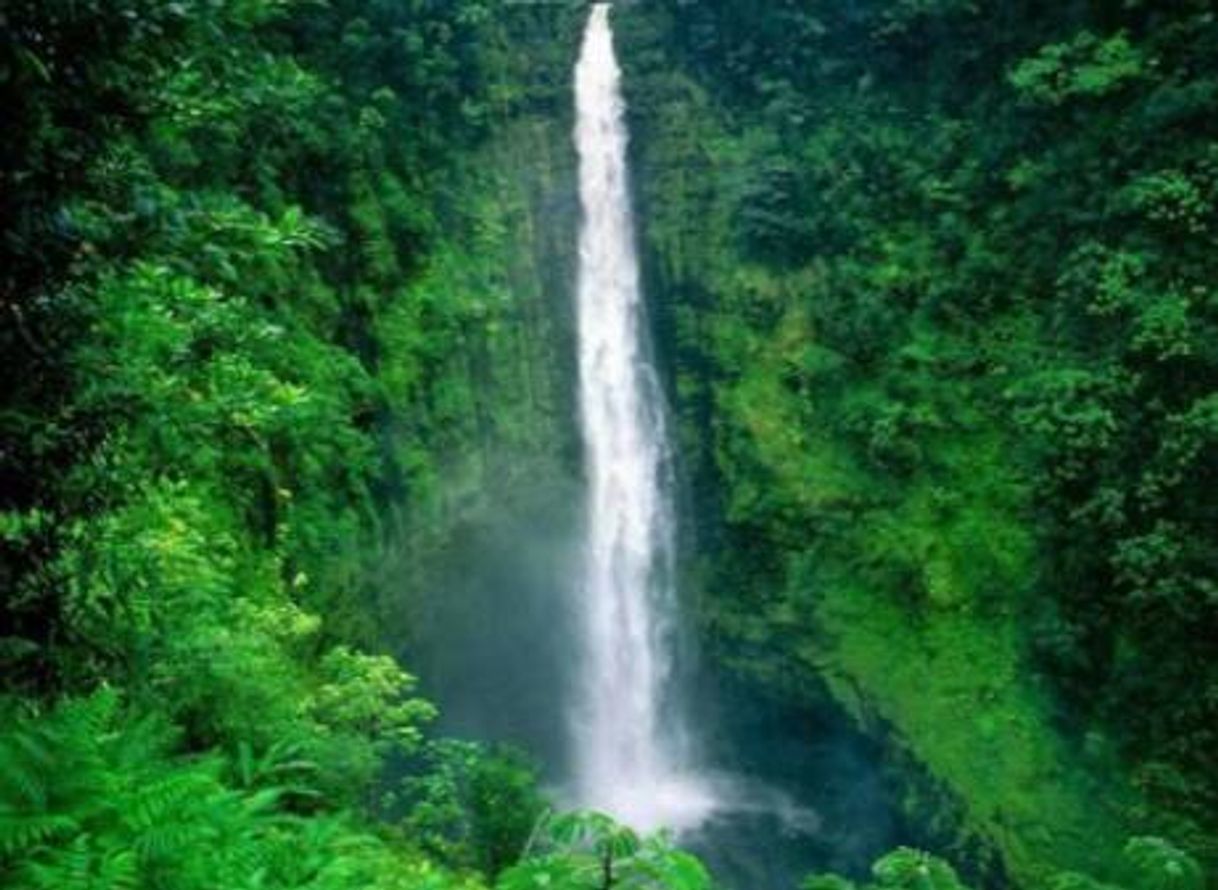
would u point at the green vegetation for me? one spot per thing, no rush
(93, 797)
(590, 852)
(228, 369)
(284, 313)
(938, 278)
(1148, 862)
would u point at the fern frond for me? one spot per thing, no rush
(22, 777)
(20, 832)
(169, 841)
(160, 801)
(118, 870)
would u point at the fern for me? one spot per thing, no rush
(79, 866)
(160, 801)
(93, 799)
(24, 831)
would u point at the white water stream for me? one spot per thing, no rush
(629, 750)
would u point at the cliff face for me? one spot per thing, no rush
(478, 361)
(486, 424)
(901, 596)
(887, 401)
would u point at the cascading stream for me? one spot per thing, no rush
(628, 727)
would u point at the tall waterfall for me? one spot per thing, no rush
(628, 727)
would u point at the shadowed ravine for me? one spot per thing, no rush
(623, 719)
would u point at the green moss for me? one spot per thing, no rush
(477, 365)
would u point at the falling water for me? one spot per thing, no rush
(628, 729)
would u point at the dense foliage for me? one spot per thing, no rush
(939, 277)
(281, 290)
(215, 218)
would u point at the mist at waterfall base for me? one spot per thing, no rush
(498, 660)
(498, 655)
(559, 632)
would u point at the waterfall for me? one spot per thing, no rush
(628, 728)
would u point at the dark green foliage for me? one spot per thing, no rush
(193, 352)
(212, 214)
(1150, 863)
(588, 851)
(944, 321)
(277, 300)
(472, 806)
(1157, 865)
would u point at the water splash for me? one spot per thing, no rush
(631, 759)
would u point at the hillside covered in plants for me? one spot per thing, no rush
(291, 472)
(937, 284)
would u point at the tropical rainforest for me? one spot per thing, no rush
(287, 331)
